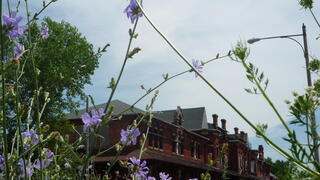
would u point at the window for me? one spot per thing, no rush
(252, 166)
(155, 138)
(177, 145)
(195, 149)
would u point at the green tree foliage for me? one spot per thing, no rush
(285, 170)
(65, 61)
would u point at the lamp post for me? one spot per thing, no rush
(306, 57)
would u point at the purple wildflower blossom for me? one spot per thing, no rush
(12, 22)
(140, 170)
(29, 169)
(1, 162)
(197, 65)
(133, 11)
(151, 178)
(67, 165)
(129, 136)
(44, 32)
(194, 179)
(164, 176)
(30, 139)
(18, 50)
(93, 119)
(45, 161)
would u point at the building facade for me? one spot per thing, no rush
(181, 142)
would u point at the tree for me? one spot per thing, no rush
(285, 170)
(65, 61)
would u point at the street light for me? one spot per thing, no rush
(304, 47)
(306, 57)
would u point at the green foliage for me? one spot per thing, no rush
(65, 62)
(285, 170)
(314, 65)
(240, 51)
(307, 4)
(262, 128)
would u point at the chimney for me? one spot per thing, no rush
(215, 120)
(236, 131)
(223, 124)
(242, 135)
(260, 150)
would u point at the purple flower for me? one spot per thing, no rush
(46, 160)
(151, 178)
(140, 170)
(67, 165)
(29, 169)
(197, 65)
(12, 23)
(18, 50)
(92, 120)
(133, 11)
(129, 136)
(1, 162)
(164, 176)
(44, 32)
(30, 139)
(194, 179)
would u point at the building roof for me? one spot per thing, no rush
(119, 106)
(193, 118)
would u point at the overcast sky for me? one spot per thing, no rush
(200, 29)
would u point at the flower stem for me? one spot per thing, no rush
(314, 17)
(122, 67)
(164, 81)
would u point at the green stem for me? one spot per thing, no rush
(36, 87)
(43, 8)
(314, 17)
(122, 67)
(144, 141)
(271, 143)
(272, 106)
(164, 81)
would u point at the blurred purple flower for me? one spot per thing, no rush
(18, 50)
(129, 136)
(197, 65)
(133, 11)
(164, 176)
(44, 32)
(93, 119)
(140, 169)
(46, 160)
(194, 179)
(67, 165)
(12, 23)
(30, 138)
(1, 162)
(151, 178)
(29, 169)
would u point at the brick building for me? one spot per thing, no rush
(180, 142)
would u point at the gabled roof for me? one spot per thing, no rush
(194, 118)
(119, 106)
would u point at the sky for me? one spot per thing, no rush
(200, 30)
